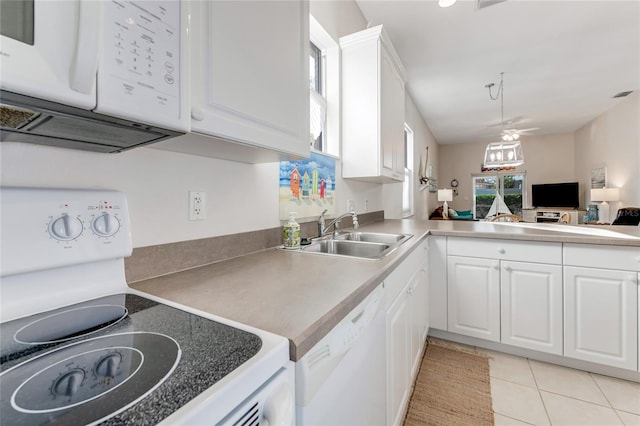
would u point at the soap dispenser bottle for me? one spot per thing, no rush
(292, 233)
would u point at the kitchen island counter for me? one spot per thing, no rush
(302, 296)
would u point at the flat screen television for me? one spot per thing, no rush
(555, 195)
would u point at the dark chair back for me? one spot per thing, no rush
(628, 216)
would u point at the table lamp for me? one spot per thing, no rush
(445, 195)
(604, 195)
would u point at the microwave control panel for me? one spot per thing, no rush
(140, 67)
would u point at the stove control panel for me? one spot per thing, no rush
(49, 228)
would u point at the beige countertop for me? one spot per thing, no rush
(302, 296)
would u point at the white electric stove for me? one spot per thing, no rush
(79, 347)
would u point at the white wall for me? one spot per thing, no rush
(548, 159)
(612, 140)
(240, 197)
(424, 201)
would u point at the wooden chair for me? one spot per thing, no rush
(565, 218)
(507, 218)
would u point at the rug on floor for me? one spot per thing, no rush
(452, 388)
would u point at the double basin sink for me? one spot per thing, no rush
(366, 245)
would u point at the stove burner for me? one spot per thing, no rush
(75, 383)
(78, 379)
(70, 324)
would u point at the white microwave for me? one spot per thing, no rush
(100, 75)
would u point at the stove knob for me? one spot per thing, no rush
(108, 365)
(68, 383)
(105, 225)
(65, 228)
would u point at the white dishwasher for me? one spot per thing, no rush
(342, 379)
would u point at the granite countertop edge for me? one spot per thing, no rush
(266, 290)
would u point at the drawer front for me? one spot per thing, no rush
(601, 256)
(523, 251)
(399, 278)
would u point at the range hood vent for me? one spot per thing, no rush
(32, 120)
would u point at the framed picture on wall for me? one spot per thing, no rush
(598, 177)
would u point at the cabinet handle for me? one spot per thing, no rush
(501, 251)
(496, 266)
(508, 268)
(631, 279)
(197, 114)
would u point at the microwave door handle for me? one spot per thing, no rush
(87, 49)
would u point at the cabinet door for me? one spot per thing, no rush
(601, 316)
(438, 282)
(372, 107)
(391, 118)
(531, 306)
(474, 297)
(419, 315)
(398, 362)
(249, 80)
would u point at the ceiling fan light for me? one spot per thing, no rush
(446, 3)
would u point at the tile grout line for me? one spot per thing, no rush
(533, 374)
(607, 398)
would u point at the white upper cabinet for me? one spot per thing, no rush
(373, 81)
(249, 81)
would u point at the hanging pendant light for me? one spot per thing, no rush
(446, 3)
(507, 152)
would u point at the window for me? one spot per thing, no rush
(407, 185)
(318, 107)
(324, 94)
(510, 186)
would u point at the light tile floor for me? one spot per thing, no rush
(527, 392)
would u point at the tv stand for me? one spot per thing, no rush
(552, 215)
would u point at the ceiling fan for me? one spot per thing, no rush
(507, 134)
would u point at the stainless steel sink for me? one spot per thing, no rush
(375, 237)
(366, 245)
(361, 249)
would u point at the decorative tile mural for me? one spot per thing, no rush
(307, 186)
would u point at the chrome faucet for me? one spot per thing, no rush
(322, 228)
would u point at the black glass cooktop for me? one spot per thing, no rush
(115, 360)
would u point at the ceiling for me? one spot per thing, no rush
(563, 61)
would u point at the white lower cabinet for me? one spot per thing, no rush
(531, 306)
(513, 297)
(437, 282)
(474, 297)
(419, 291)
(406, 324)
(398, 358)
(601, 316)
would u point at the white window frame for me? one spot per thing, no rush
(330, 50)
(500, 185)
(407, 185)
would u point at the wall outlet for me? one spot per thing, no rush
(197, 206)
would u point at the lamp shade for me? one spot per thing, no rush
(501, 154)
(445, 194)
(605, 194)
